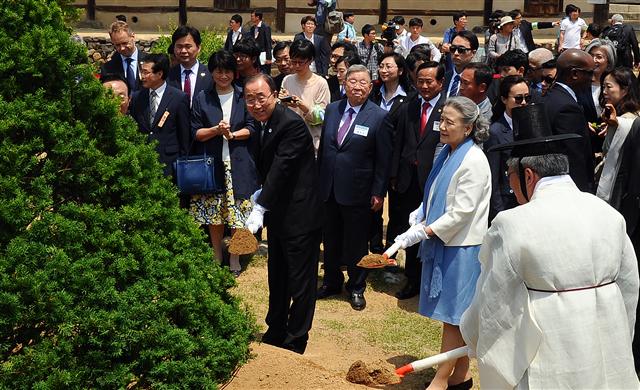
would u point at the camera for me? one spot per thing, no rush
(389, 33)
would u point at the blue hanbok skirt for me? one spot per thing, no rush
(460, 271)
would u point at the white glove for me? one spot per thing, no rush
(256, 218)
(414, 235)
(254, 197)
(416, 216)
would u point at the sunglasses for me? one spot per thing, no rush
(459, 49)
(587, 71)
(522, 98)
(548, 79)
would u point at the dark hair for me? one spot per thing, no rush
(185, 30)
(160, 63)
(505, 87)
(516, 58)
(349, 59)
(308, 18)
(414, 57)
(121, 18)
(433, 64)
(268, 79)
(571, 8)
(594, 29)
(458, 15)
(257, 13)
(628, 82)
(416, 22)
(422, 48)
(403, 78)
(108, 77)
(302, 48)
(347, 15)
(236, 18)
(366, 29)
(514, 13)
(170, 50)
(482, 73)
(398, 20)
(281, 45)
(348, 47)
(222, 59)
(248, 47)
(469, 36)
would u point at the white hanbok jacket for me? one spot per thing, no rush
(562, 239)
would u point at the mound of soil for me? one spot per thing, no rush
(379, 375)
(243, 242)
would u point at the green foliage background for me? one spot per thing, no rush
(104, 281)
(212, 41)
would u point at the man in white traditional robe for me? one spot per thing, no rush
(556, 299)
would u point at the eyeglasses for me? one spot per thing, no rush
(363, 83)
(522, 98)
(548, 79)
(242, 57)
(258, 100)
(386, 66)
(459, 49)
(587, 71)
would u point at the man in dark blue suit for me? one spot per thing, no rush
(354, 160)
(126, 60)
(261, 33)
(321, 61)
(189, 75)
(161, 111)
(235, 32)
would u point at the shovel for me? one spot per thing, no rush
(380, 261)
(431, 361)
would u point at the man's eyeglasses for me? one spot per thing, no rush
(251, 101)
(459, 49)
(587, 71)
(522, 98)
(363, 83)
(548, 79)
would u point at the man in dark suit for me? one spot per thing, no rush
(289, 205)
(282, 60)
(353, 158)
(235, 32)
(624, 38)
(189, 75)
(126, 60)
(414, 151)
(462, 49)
(524, 28)
(161, 111)
(575, 69)
(321, 63)
(261, 33)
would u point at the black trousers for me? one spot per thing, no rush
(400, 206)
(293, 279)
(376, 232)
(346, 234)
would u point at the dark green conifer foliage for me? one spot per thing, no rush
(104, 281)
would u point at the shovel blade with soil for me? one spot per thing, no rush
(375, 260)
(243, 242)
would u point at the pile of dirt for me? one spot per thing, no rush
(243, 242)
(380, 375)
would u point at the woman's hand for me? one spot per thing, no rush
(224, 129)
(609, 119)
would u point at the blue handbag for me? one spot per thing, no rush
(196, 175)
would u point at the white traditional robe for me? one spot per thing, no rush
(562, 239)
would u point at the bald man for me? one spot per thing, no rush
(119, 87)
(574, 72)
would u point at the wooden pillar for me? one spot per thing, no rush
(488, 9)
(281, 13)
(601, 14)
(384, 10)
(91, 9)
(182, 12)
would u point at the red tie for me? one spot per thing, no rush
(187, 83)
(423, 118)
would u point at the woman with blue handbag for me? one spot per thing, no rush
(223, 129)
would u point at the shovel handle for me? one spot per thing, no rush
(392, 250)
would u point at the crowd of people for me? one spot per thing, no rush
(509, 177)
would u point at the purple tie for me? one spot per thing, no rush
(342, 131)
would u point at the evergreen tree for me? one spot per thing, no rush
(104, 281)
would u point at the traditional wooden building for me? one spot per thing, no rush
(285, 15)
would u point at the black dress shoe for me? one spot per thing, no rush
(272, 338)
(357, 301)
(326, 291)
(295, 347)
(410, 290)
(466, 385)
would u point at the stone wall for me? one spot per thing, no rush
(100, 49)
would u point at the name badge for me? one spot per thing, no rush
(361, 130)
(436, 126)
(163, 119)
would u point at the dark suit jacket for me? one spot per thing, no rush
(502, 196)
(359, 168)
(448, 76)
(173, 135)
(334, 88)
(625, 196)
(204, 81)
(591, 115)
(287, 170)
(526, 28)
(263, 40)
(228, 44)
(322, 52)
(624, 58)
(115, 66)
(207, 112)
(411, 149)
(566, 116)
